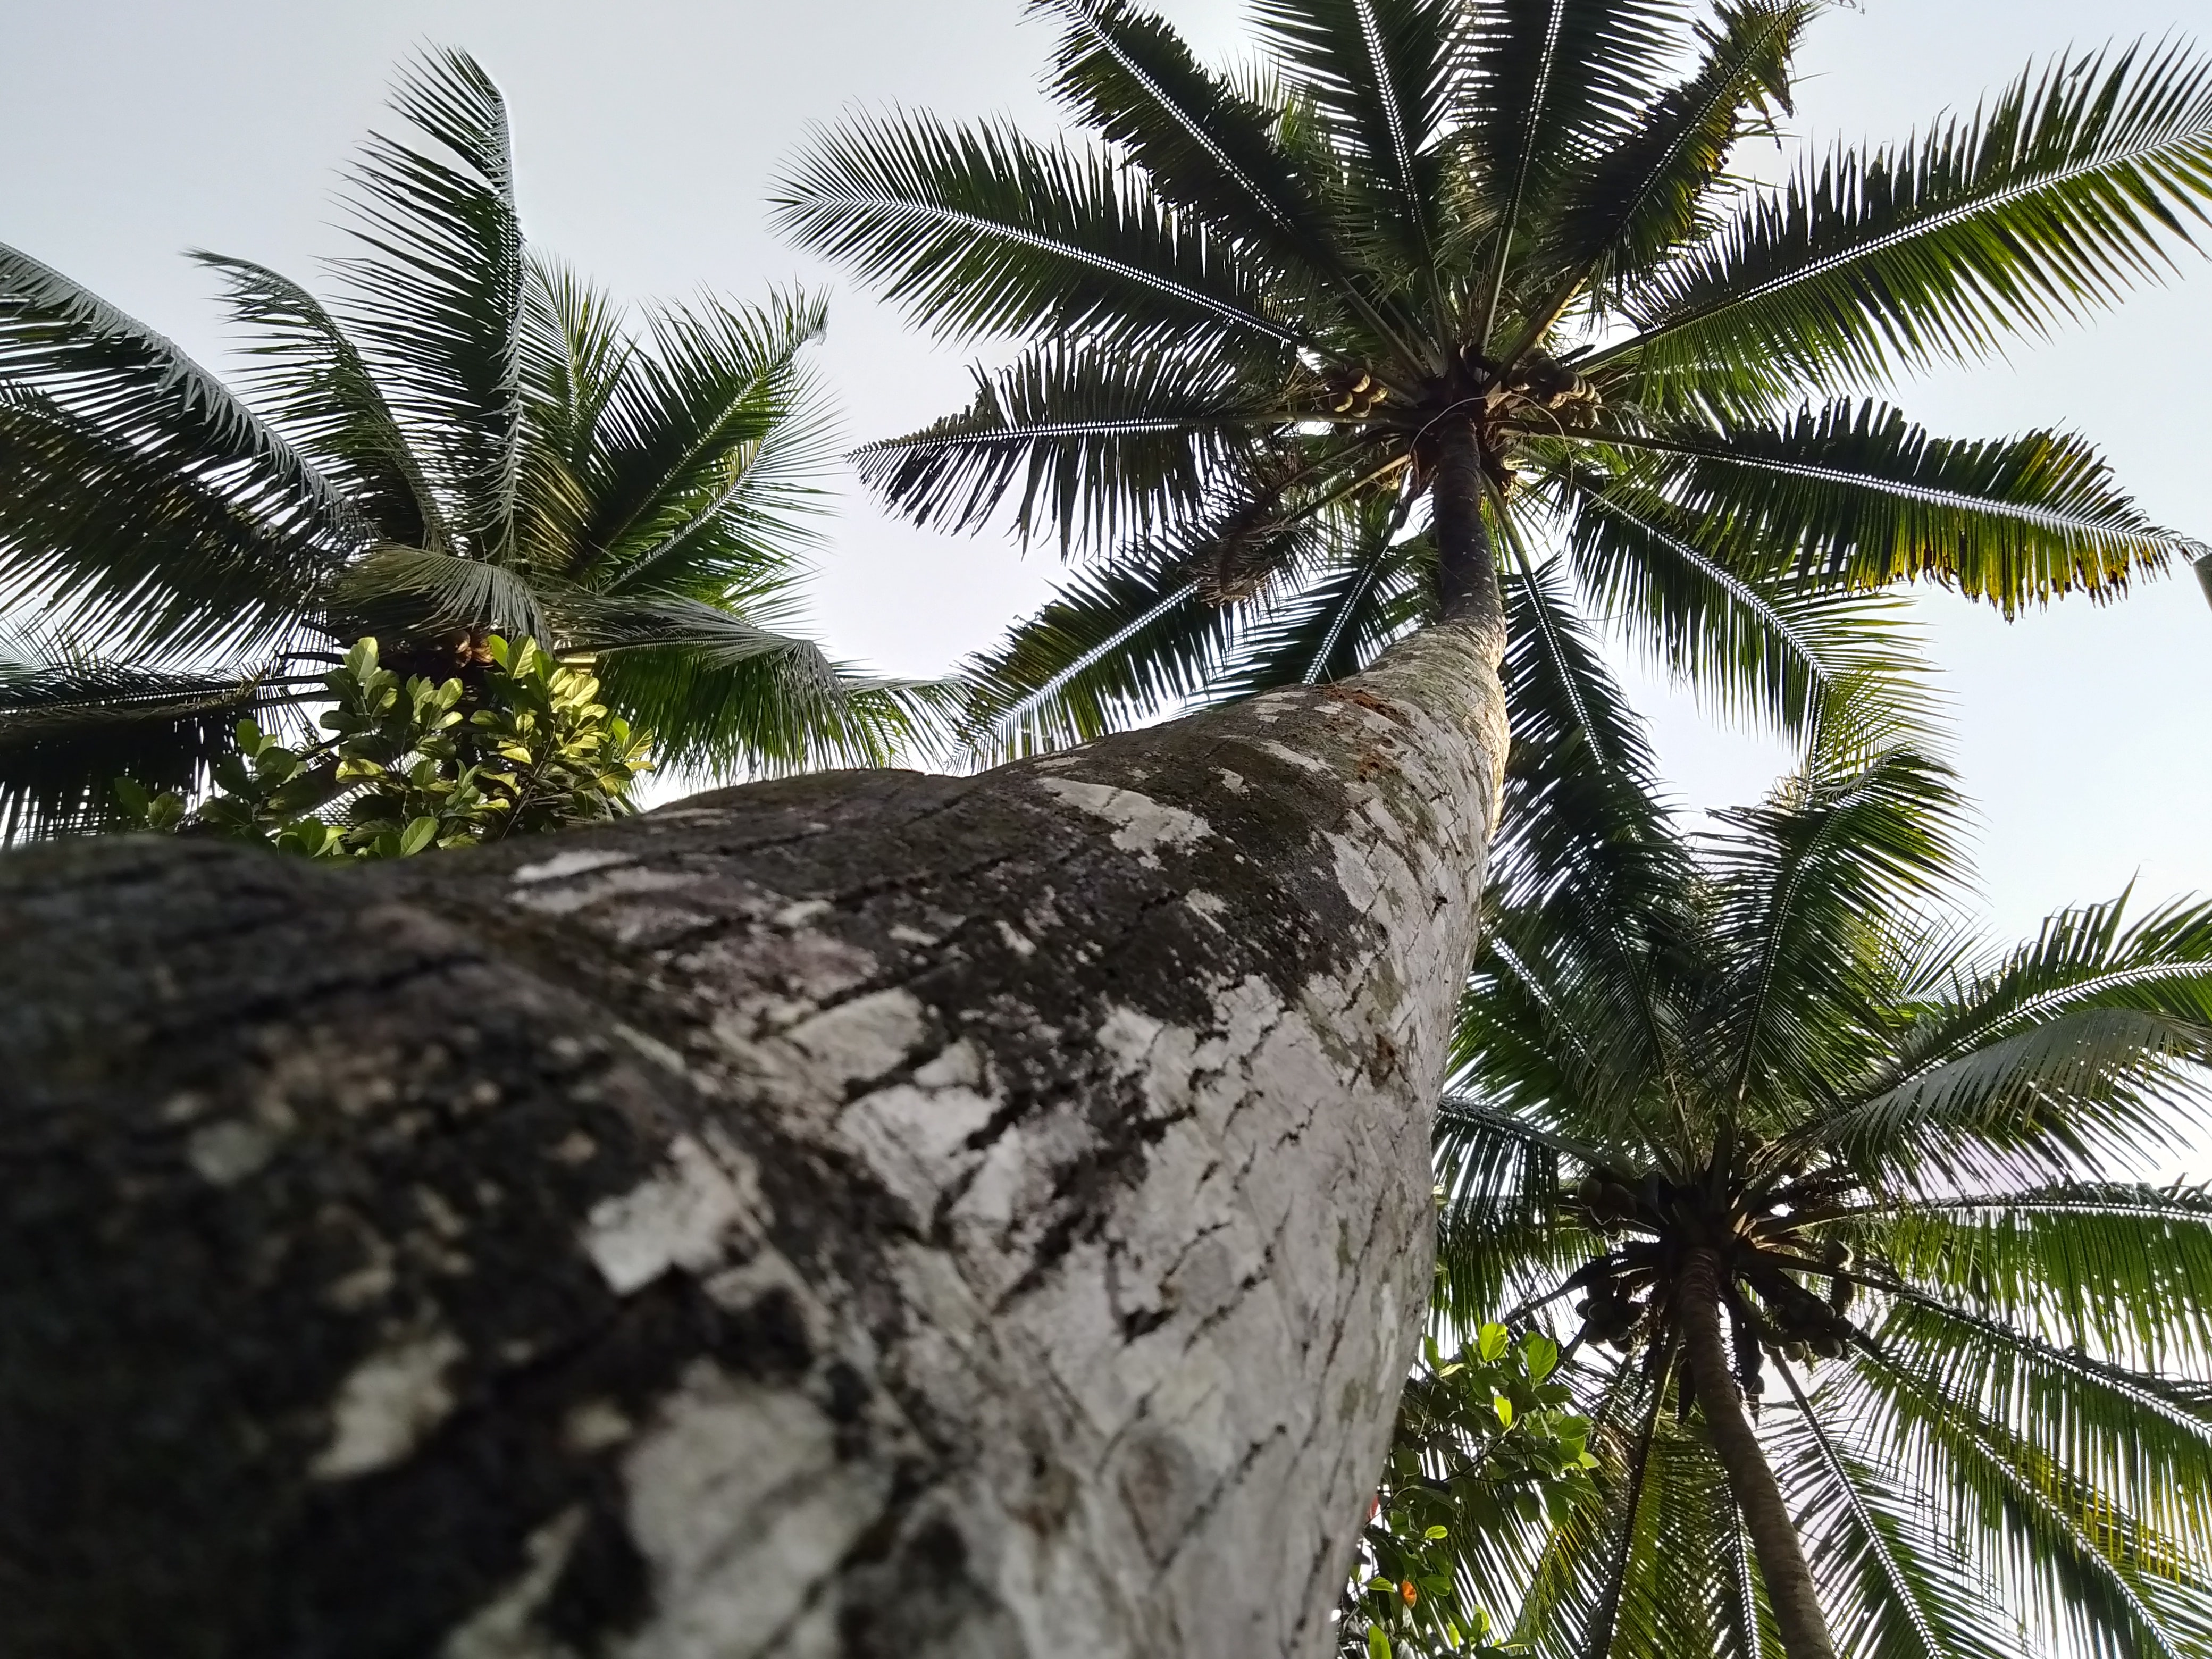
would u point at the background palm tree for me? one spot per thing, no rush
(470, 440)
(1749, 1111)
(1438, 285)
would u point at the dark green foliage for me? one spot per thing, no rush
(523, 746)
(469, 439)
(1482, 1440)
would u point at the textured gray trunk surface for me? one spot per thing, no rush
(874, 1214)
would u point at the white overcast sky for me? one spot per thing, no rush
(646, 135)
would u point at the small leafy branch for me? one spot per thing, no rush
(1481, 1442)
(407, 769)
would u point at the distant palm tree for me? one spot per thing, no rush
(1747, 1110)
(470, 441)
(1442, 285)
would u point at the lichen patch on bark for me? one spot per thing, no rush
(677, 1219)
(1142, 825)
(386, 1404)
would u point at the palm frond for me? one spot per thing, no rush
(2076, 1566)
(2118, 1268)
(2124, 1431)
(2069, 1049)
(410, 592)
(1860, 497)
(310, 384)
(979, 230)
(71, 724)
(1497, 1237)
(1802, 882)
(1113, 648)
(1205, 150)
(1105, 445)
(576, 351)
(1651, 191)
(1582, 785)
(121, 374)
(1353, 592)
(1589, 873)
(2072, 184)
(437, 300)
(710, 465)
(145, 506)
(1891, 1591)
(1573, 1605)
(1380, 72)
(136, 540)
(1755, 645)
(725, 697)
(1546, 87)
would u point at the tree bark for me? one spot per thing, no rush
(1774, 1542)
(863, 1215)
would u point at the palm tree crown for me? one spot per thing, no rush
(471, 441)
(1440, 285)
(1745, 1111)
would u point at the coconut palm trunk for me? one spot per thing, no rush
(1788, 1580)
(1466, 568)
(864, 1214)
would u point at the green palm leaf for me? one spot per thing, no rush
(1548, 84)
(1861, 498)
(2121, 1430)
(2027, 1520)
(1112, 649)
(2118, 1267)
(70, 724)
(437, 303)
(1800, 879)
(1649, 194)
(742, 697)
(413, 590)
(1379, 72)
(1895, 1588)
(2066, 1049)
(310, 384)
(1103, 447)
(54, 332)
(709, 471)
(1355, 590)
(2047, 204)
(1756, 643)
(131, 543)
(1204, 149)
(995, 234)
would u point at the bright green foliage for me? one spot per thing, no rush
(408, 767)
(1483, 1438)
(1258, 305)
(468, 439)
(1976, 1346)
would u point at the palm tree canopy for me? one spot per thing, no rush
(1983, 1345)
(470, 438)
(1263, 308)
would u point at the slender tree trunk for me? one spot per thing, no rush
(1467, 566)
(864, 1215)
(1773, 1535)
